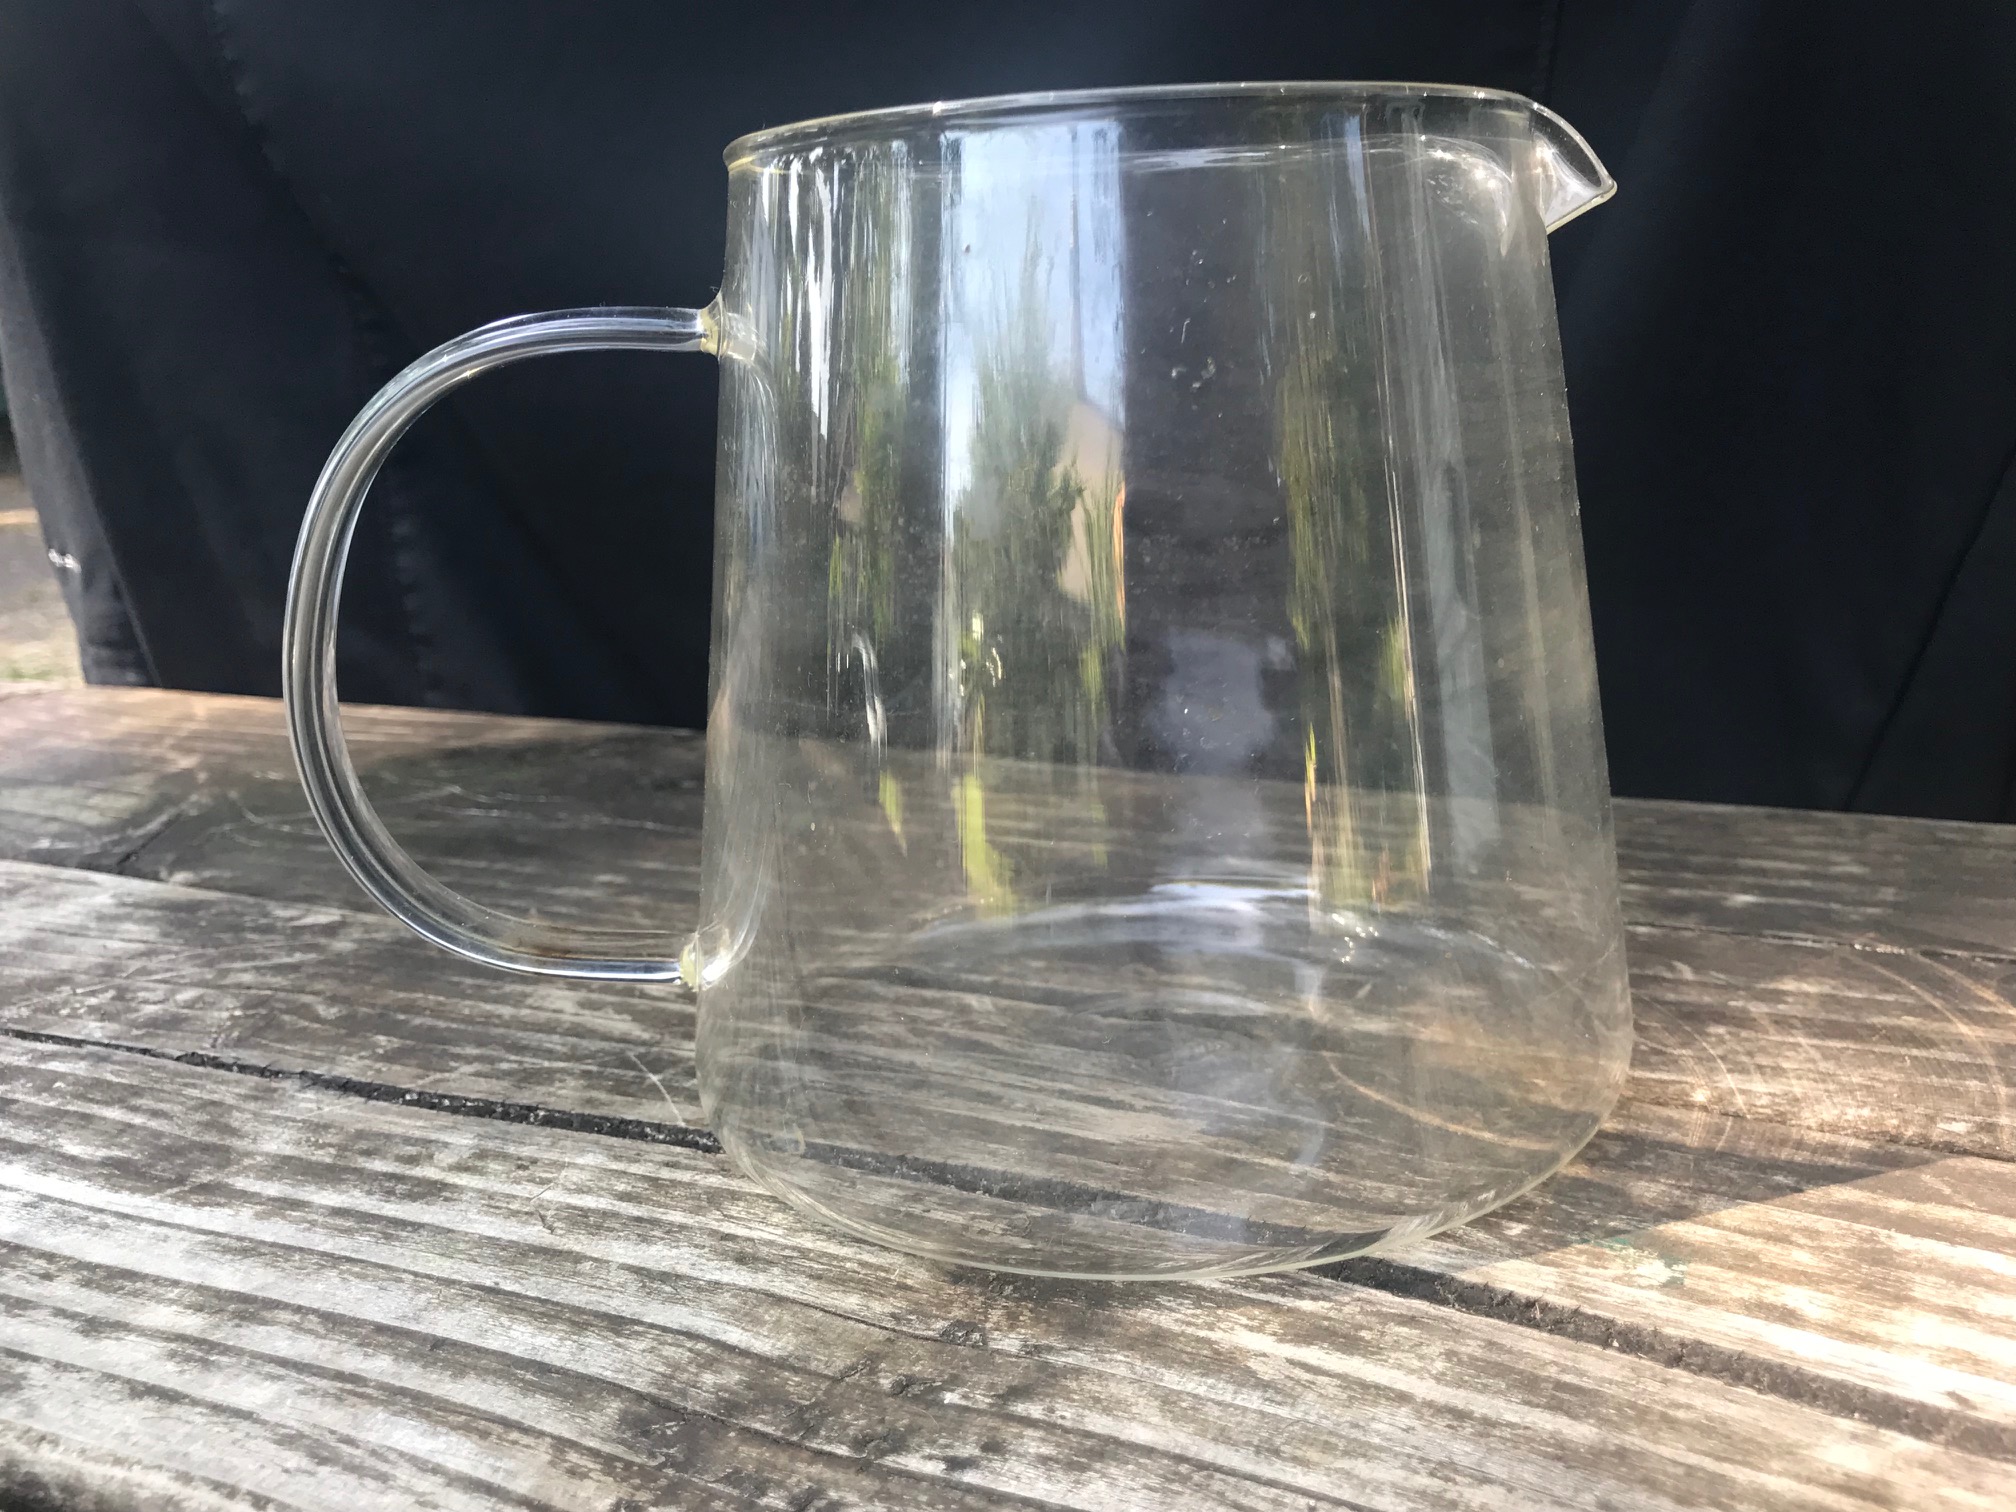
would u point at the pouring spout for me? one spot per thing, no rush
(1572, 178)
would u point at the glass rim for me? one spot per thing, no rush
(1035, 104)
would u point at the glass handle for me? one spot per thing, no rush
(378, 862)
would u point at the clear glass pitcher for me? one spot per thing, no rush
(1156, 817)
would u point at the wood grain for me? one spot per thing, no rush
(235, 1290)
(1860, 879)
(341, 993)
(1757, 986)
(1805, 1190)
(200, 789)
(353, 1001)
(1887, 1046)
(1904, 1282)
(1906, 1045)
(574, 822)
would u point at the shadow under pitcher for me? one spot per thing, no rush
(1156, 816)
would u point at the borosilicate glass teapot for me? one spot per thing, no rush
(1156, 816)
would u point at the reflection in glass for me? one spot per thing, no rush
(1157, 819)
(1363, 785)
(1033, 601)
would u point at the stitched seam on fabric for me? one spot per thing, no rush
(377, 333)
(69, 583)
(630, 660)
(151, 668)
(2005, 483)
(1549, 46)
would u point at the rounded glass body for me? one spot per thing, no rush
(1156, 812)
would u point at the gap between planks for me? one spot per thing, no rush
(666, 1283)
(1927, 1422)
(1908, 1300)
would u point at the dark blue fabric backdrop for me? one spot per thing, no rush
(1791, 339)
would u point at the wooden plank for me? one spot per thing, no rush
(1757, 1044)
(328, 990)
(257, 1294)
(1912, 1045)
(1904, 1282)
(1857, 1264)
(1897, 1046)
(40, 1472)
(577, 822)
(1860, 879)
(1874, 1303)
(235, 981)
(200, 789)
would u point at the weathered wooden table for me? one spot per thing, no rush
(296, 1212)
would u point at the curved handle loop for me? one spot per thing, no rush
(378, 862)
